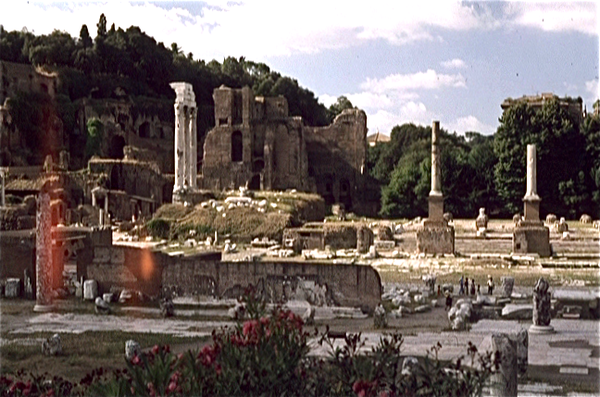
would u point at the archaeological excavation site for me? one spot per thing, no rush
(236, 239)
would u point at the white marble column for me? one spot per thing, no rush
(194, 148)
(436, 175)
(179, 146)
(531, 192)
(185, 139)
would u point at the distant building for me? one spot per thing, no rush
(377, 138)
(572, 105)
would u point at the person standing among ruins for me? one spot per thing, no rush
(461, 283)
(448, 301)
(490, 285)
(473, 287)
(467, 286)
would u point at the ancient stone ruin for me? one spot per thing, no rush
(44, 270)
(435, 236)
(530, 235)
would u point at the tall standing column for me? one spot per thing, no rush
(185, 142)
(531, 199)
(194, 146)
(179, 148)
(43, 254)
(436, 199)
(436, 175)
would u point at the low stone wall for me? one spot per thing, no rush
(206, 275)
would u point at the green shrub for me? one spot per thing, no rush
(159, 228)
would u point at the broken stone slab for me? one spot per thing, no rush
(384, 244)
(309, 316)
(108, 297)
(238, 200)
(488, 300)
(409, 365)
(132, 349)
(90, 290)
(12, 289)
(422, 308)
(52, 346)
(513, 311)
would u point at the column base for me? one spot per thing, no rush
(532, 238)
(435, 237)
(541, 329)
(43, 308)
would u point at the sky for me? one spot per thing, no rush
(399, 61)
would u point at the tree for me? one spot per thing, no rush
(549, 128)
(101, 32)
(338, 107)
(84, 37)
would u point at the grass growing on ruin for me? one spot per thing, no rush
(81, 352)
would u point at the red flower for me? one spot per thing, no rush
(218, 369)
(136, 360)
(156, 349)
(172, 386)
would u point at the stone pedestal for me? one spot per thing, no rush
(531, 237)
(435, 237)
(436, 207)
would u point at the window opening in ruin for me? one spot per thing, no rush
(258, 165)
(223, 121)
(117, 143)
(254, 182)
(237, 109)
(144, 130)
(115, 181)
(237, 149)
(345, 194)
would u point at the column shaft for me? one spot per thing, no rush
(436, 177)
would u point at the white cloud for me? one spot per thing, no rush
(327, 100)
(410, 112)
(455, 63)
(593, 88)
(421, 80)
(469, 123)
(555, 16)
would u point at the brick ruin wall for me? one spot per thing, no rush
(154, 272)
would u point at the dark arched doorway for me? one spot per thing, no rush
(117, 143)
(237, 147)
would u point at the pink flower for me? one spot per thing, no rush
(156, 349)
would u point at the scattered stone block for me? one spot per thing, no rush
(309, 316)
(132, 349)
(422, 308)
(12, 288)
(585, 219)
(52, 346)
(481, 221)
(508, 284)
(90, 290)
(108, 297)
(551, 219)
(409, 365)
(385, 244)
(167, 309)
(101, 306)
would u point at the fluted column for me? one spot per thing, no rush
(531, 199)
(436, 175)
(179, 147)
(194, 147)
